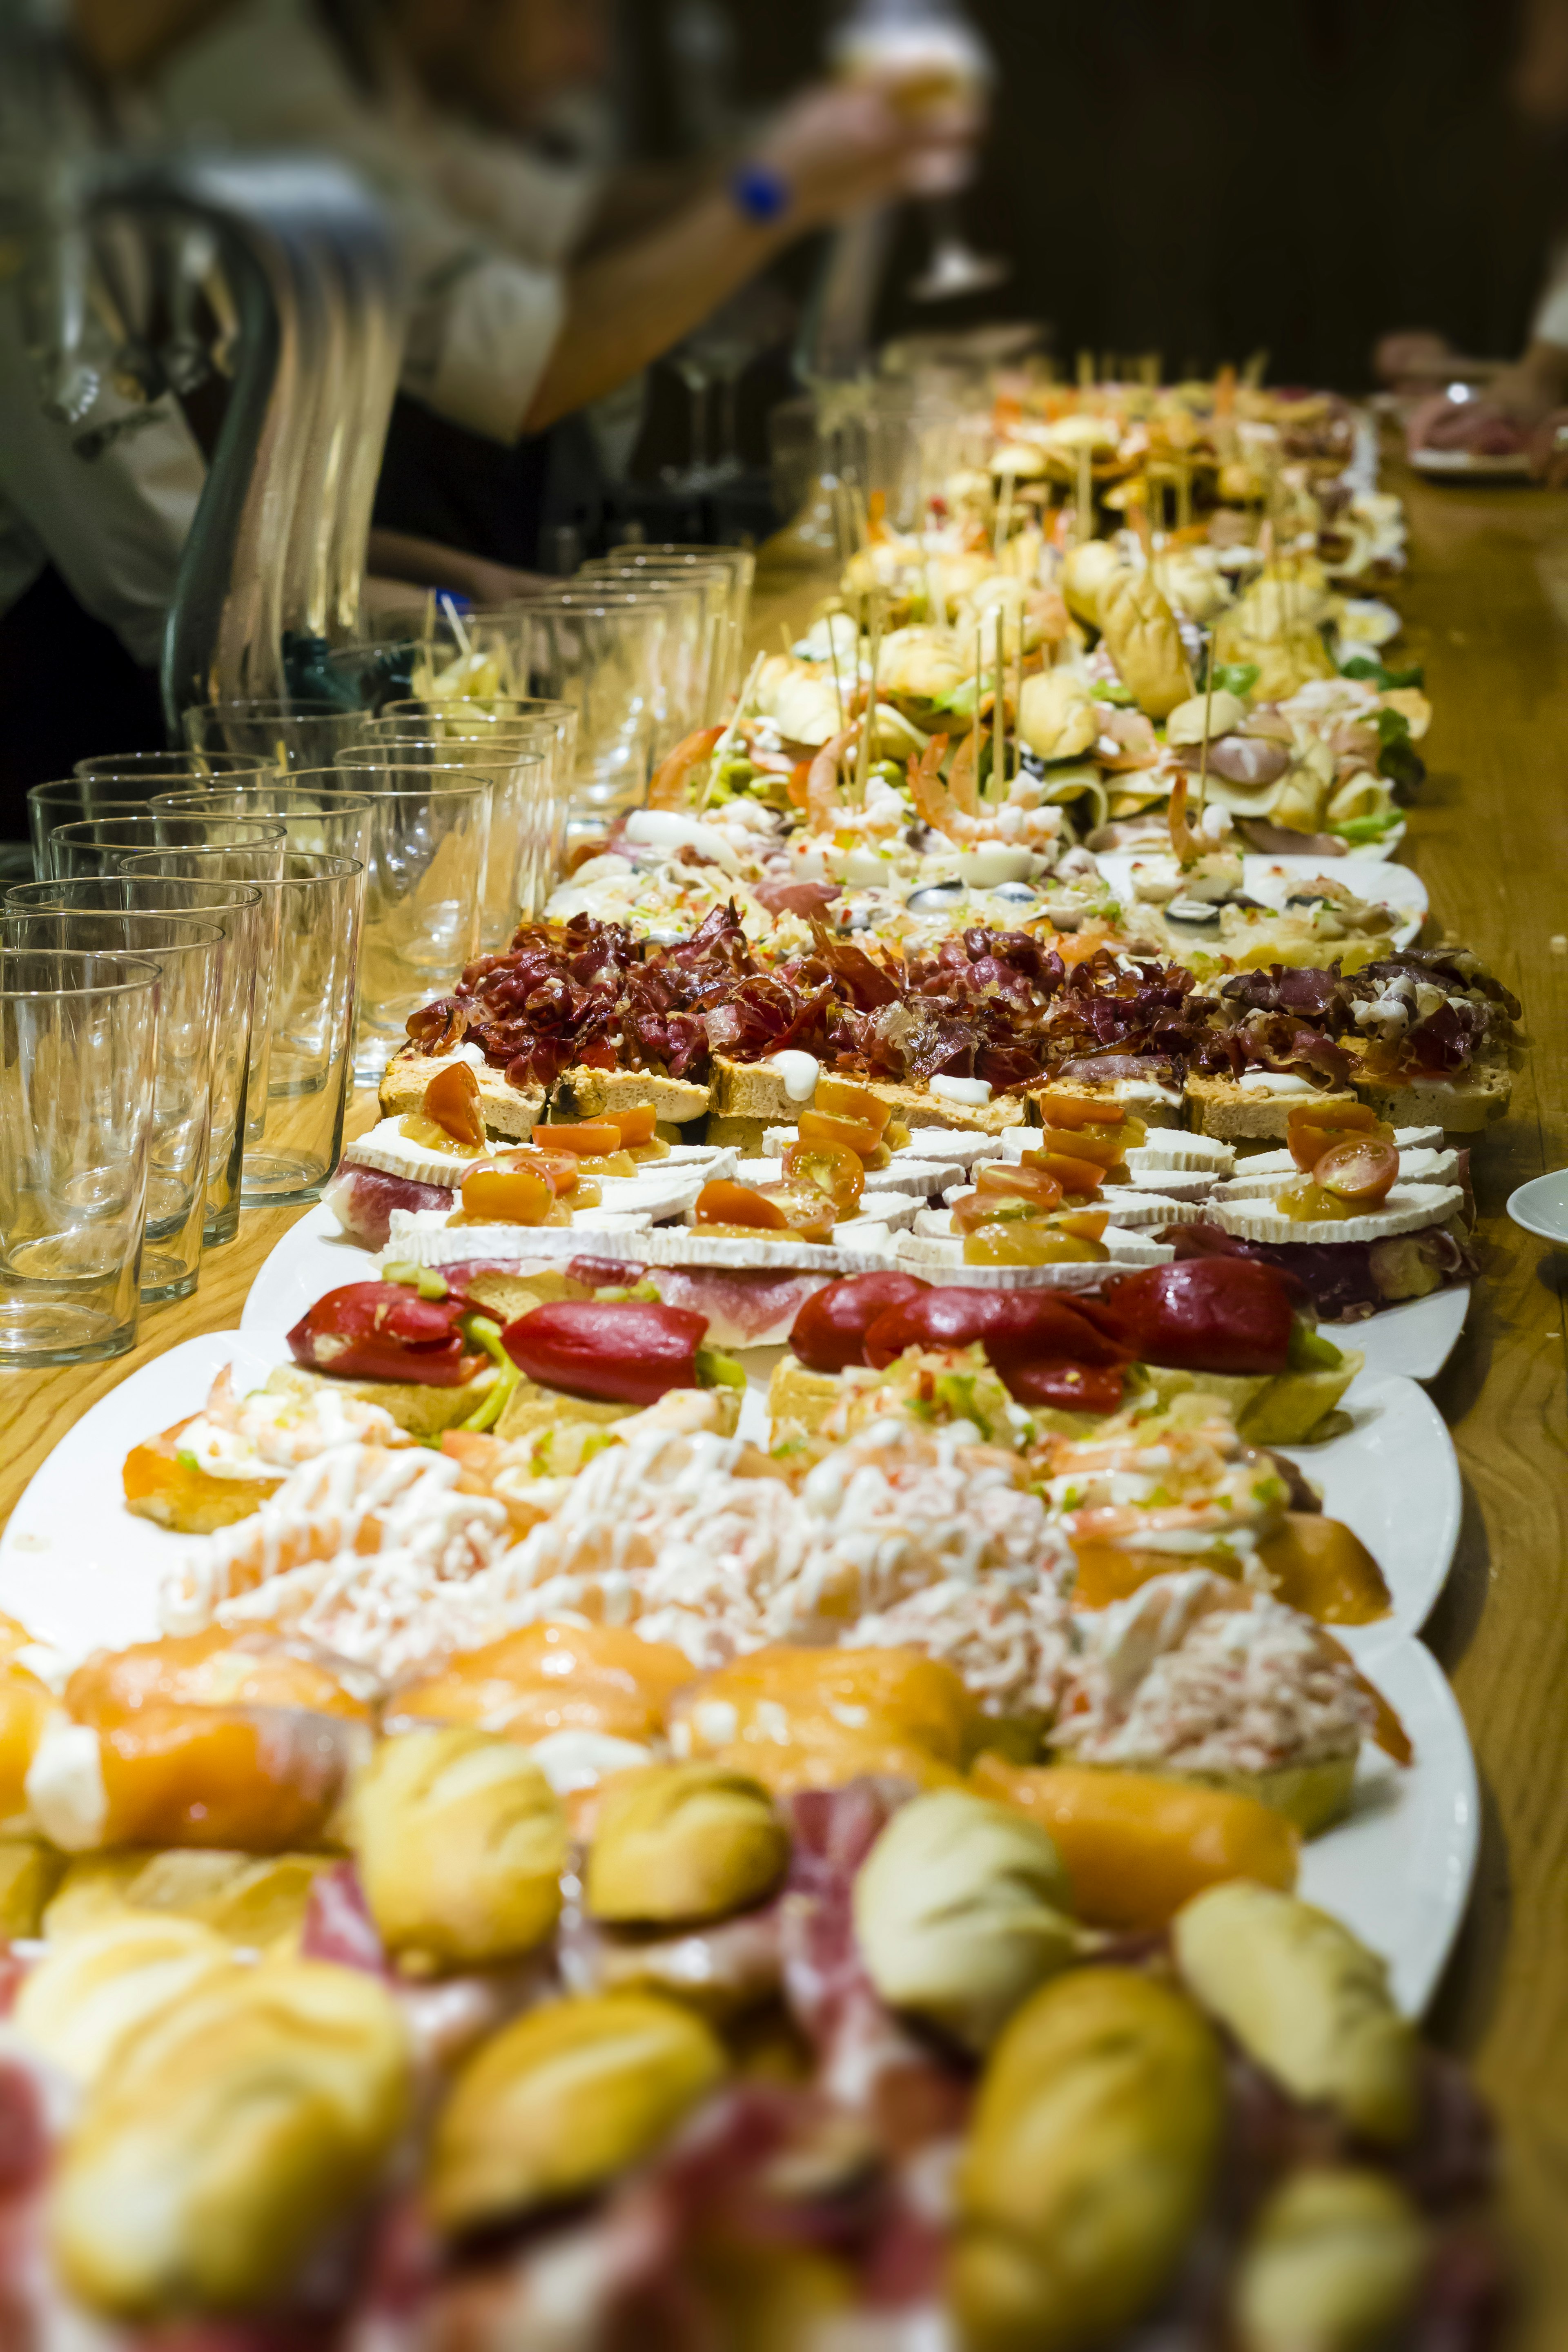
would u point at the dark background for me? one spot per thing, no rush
(1208, 177)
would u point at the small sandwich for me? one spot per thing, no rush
(440, 1158)
(1193, 1677)
(430, 1355)
(1358, 1234)
(749, 1098)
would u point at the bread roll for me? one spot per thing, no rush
(562, 2100)
(91, 1995)
(960, 1909)
(1143, 641)
(1087, 2165)
(683, 1842)
(1335, 2264)
(460, 1842)
(1306, 2000)
(227, 2137)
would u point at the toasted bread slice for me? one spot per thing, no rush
(511, 1111)
(746, 1136)
(752, 1091)
(1460, 1106)
(1278, 1409)
(918, 1107)
(1220, 1107)
(587, 1093)
(171, 1488)
(1153, 1110)
(423, 1411)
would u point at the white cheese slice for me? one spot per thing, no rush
(1262, 1177)
(384, 1146)
(1169, 1147)
(914, 1178)
(895, 1210)
(1175, 1184)
(924, 1254)
(949, 1143)
(865, 1234)
(1130, 1206)
(1408, 1209)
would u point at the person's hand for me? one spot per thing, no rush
(1412, 357)
(846, 144)
(1549, 450)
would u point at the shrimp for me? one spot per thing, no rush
(1183, 840)
(673, 775)
(823, 800)
(952, 808)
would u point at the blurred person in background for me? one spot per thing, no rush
(1523, 406)
(541, 279)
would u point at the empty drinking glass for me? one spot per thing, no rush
(320, 903)
(188, 958)
(313, 824)
(68, 802)
(100, 845)
(154, 772)
(79, 1049)
(297, 734)
(258, 866)
(236, 908)
(424, 889)
(517, 755)
(601, 658)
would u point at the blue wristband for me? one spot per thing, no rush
(759, 193)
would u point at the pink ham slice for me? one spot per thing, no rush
(363, 1200)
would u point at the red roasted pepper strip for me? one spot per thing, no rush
(622, 1351)
(1015, 1327)
(1216, 1314)
(385, 1331)
(829, 1332)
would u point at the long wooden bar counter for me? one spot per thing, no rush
(1487, 611)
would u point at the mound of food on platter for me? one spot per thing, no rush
(1000, 1108)
(566, 1864)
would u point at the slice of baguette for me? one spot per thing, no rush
(424, 1412)
(750, 1090)
(1154, 1112)
(511, 1111)
(1219, 1106)
(746, 1136)
(918, 1107)
(1460, 1106)
(585, 1092)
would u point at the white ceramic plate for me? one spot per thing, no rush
(1463, 464)
(1541, 1207)
(1269, 879)
(76, 1566)
(1415, 1339)
(1398, 1870)
(1393, 1479)
(314, 1256)
(83, 1572)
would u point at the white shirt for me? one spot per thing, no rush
(114, 523)
(483, 226)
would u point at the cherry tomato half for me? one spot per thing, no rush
(840, 1174)
(1365, 1170)
(452, 1102)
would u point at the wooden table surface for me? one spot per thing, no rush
(1486, 611)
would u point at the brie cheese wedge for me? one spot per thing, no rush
(1262, 1177)
(1406, 1210)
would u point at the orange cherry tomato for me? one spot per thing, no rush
(1311, 1133)
(840, 1099)
(1084, 1224)
(1020, 1184)
(589, 1138)
(510, 1196)
(808, 1211)
(1080, 1111)
(636, 1123)
(560, 1170)
(724, 1202)
(1364, 1169)
(452, 1102)
(840, 1174)
(1073, 1175)
(1105, 1146)
(840, 1134)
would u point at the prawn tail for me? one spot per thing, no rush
(672, 777)
(824, 801)
(931, 795)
